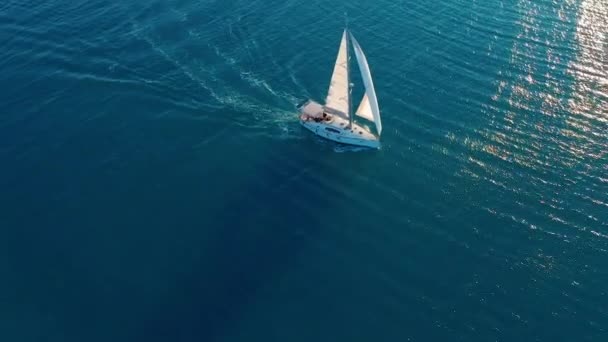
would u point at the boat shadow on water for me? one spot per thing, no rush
(257, 238)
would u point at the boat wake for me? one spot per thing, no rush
(273, 110)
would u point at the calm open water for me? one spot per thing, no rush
(155, 184)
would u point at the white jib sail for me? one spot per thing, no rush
(365, 110)
(337, 95)
(370, 92)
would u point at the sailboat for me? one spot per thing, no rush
(335, 120)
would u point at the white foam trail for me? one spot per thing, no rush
(265, 117)
(254, 80)
(175, 62)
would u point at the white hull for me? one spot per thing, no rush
(336, 129)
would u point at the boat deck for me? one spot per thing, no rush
(341, 124)
(335, 127)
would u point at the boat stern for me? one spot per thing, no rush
(310, 110)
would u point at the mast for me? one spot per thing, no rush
(350, 85)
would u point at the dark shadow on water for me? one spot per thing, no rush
(255, 241)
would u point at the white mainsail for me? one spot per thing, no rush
(338, 93)
(370, 92)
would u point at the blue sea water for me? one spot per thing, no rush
(155, 184)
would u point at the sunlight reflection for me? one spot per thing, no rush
(549, 115)
(533, 83)
(590, 97)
